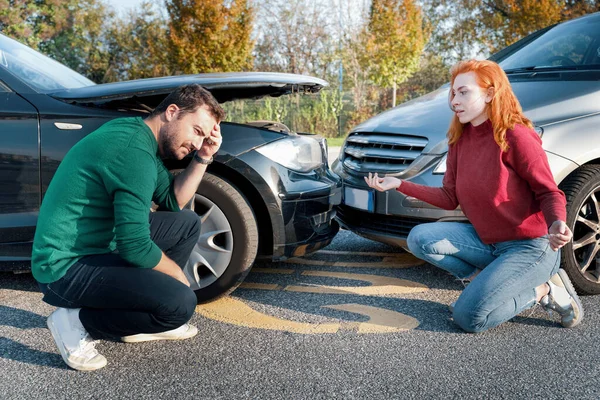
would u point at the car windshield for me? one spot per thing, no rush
(571, 45)
(35, 69)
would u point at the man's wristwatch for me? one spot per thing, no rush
(202, 160)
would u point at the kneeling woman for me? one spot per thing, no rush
(498, 173)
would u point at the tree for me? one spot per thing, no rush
(465, 28)
(505, 22)
(294, 36)
(394, 40)
(80, 40)
(68, 31)
(210, 35)
(139, 46)
(17, 20)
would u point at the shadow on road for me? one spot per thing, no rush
(21, 319)
(12, 350)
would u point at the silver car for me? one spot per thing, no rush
(555, 73)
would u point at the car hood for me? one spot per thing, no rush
(543, 100)
(224, 86)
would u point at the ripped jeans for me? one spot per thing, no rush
(509, 271)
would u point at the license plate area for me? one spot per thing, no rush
(359, 198)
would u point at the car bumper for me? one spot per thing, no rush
(389, 216)
(300, 206)
(308, 218)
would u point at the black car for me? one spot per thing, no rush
(269, 192)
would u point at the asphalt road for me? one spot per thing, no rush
(356, 320)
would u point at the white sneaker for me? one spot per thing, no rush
(74, 343)
(563, 299)
(185, 331)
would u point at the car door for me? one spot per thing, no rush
(19, 174)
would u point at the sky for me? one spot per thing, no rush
(123, 5)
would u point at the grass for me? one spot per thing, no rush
(335, 142)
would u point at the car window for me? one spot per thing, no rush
(575, 43)
(35, 69)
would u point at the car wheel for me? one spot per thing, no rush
(228, 241)
(581, 257)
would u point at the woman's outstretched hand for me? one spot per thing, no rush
(559, 234)
(382, 184)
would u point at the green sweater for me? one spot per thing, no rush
(99, 200)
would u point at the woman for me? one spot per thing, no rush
(498, 173)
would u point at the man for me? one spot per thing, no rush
(112, 267)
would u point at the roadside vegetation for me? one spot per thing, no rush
(375, 54)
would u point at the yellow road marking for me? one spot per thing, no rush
(236, 312)
(381, 320)
(360, 253)
(261, 286)
(392, 262)
(380, 285)
(282, 271)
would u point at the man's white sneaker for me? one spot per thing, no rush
(563, 299)
(73, 341)
(185, 331)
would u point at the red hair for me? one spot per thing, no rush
(504, 110)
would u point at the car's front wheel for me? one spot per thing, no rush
(581, 256)
(228, 241)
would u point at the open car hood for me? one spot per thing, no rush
(224, 86)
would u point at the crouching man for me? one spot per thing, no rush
(114, 269)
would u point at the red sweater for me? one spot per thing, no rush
(505, 195)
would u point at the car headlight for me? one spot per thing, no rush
(295, 152)
(441, 167)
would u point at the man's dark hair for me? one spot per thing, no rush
(189, 98)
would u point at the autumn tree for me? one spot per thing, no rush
(17, 20)
(210, 35)
(69, 31)
(465, 28)
(138, 45)
(394, 40)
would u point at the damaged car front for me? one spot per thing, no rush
(269, 192)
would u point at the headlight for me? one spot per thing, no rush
(441, 167)
(295, 152)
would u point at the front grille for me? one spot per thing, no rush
(381, 152)
(385, 224)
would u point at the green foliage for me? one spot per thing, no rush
(301, 113)
(432, 74)
(394, 40)
(139, 46)
(18, 20)
(80, 43)
(210, 35)
(69, 31)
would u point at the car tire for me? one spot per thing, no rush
(581, 256)
(228, 241)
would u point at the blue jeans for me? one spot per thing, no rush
(509, 271)
(119, 299)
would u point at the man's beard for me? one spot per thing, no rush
(167, 146)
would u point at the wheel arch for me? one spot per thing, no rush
(252, 195)
(257, 203)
